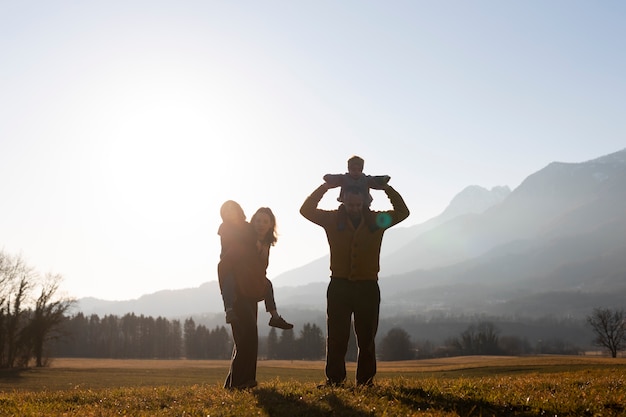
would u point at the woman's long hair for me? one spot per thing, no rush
(272, 235)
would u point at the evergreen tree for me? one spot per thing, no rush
(396, 346)
(311, 342)
(272, 344)
(220, 345)
(287, 345)
(203, 336)
(189, 339)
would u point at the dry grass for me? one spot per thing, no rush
(463, 386)
(80, 363)
(424, 365)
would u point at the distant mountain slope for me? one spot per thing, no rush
(546, 264)
(558, 199)
(554, 245)
(471, 200)
(165, 303)
(207, 297)
(566, 229)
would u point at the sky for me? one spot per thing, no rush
(124, 125)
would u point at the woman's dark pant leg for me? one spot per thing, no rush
(246, 338)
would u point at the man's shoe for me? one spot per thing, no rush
(280, 322)
(330, 384)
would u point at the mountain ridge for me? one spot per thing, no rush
(561, 231)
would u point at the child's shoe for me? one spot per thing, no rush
(280, 322)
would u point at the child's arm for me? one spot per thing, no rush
(335, 180)
(377, 182)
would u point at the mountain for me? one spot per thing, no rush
(555, 245)
(559, 199)
(165, 303)
(561, 232)
(298, 283)
(471, 200)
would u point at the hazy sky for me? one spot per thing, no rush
(125, 124)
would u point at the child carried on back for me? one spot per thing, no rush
(241, 269)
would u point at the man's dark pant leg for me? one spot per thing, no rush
(338, 319)
(366, 311)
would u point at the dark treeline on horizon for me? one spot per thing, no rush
(126, 337)
(144, 337)
(529, 335)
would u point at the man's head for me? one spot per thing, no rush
(355, 166)
(353, 201)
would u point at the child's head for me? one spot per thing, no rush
(355, 166)
(231, 212)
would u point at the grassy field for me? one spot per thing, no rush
(463, 386)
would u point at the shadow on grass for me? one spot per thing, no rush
(419, 399)
(11, 374)
(277, 404)
(416, 399)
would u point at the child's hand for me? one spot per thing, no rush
(379, 182)
(332, 180)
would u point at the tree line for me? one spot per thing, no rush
(127, 337)
(484, 338)
(34, 326)
(144, 337)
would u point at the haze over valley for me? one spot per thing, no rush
(553, 246)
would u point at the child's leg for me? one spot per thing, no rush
(227, 285)
(270, 302)
(270, 307)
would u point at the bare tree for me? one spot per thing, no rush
(27, 322)
(47, 316)
(480, 339)
(610, 329)
(16, 279)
